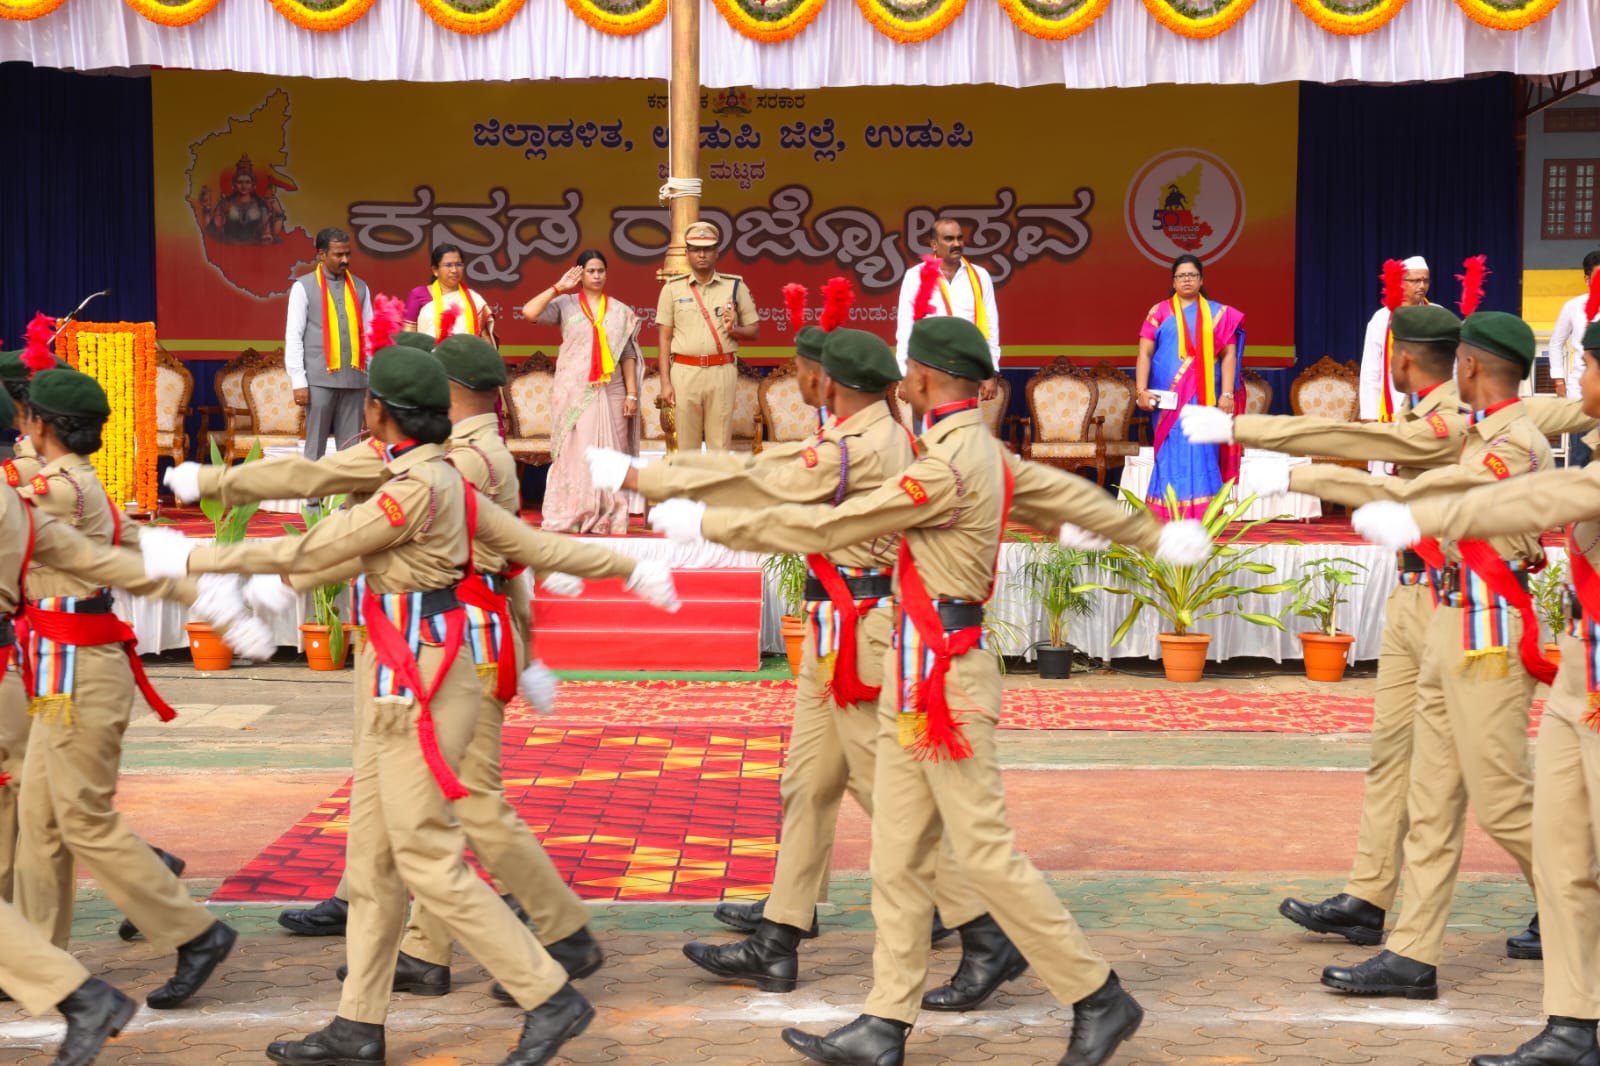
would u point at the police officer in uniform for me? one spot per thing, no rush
(701, 319)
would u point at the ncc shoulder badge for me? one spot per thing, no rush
(40, 485)
(1497, 466)
(1440, 427)
(913, 488)
(13, 475)
(809, 457)
(391, 510)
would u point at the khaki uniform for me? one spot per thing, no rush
(403, 831)
(1471, 726)
(14, 719)
(704, 393)
(33, 971)
(831, 749)
(949, 503)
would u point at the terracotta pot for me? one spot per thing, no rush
(1326, 656)
(1184, 658)
(794, 639)
(318, 647)
(1552, 651)
(209, 650)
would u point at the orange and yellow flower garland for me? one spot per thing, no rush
(323, 19)
(1336, 17)
(176, 14)
(622, 20)
(1500, 16)
(795, 16)
(121, 356)
(934, 16)
(1067, 21)
(486, 20)
(23, 10)
(1198, 27)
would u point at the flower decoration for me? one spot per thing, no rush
(911, 20)
(1054, 21)
(181, 13)
(620, 18)
(1198, 19)
(769, 20)
(1350, 17)
(1507, 14)
(23, 10)
(121, 356)
(323, 17)
(470, 19)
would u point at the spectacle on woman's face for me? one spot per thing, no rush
(450, 268)
(1187, 280)
(594, 275)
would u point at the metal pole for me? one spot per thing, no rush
(683, 150)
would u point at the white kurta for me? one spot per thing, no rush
(1566, 344)
(963, 304)
(1372, 376)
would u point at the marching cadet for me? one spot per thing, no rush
(1566, 832)
(1429, 434)
(937, 771)
(849, 610)
(419, 700)
(15, 722)
(1473, 694)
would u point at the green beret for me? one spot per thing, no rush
(809, 341)
(858, 360)
(12, 368)
(1502, 334)
(1429, 322)
(471, 361)
(408, 378)
(1591, 337)
(413, 339)
(953, 345)
(67, 392)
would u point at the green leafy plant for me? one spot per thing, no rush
(1549, 589)
(788, 573)
(999, 633)
(230, 523)
(1048, 577)
(1184, 595)
(1320, 590)
(324, 598)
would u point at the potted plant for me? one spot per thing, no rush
(326, 637)
(229, 525)
(788, 574)
(1048, 576)
(1185, 595)
(1549, 589)
(1318, 594)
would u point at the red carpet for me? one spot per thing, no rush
(716, 627)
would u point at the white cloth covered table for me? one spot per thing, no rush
(1136, 479)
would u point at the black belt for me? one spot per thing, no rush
(1574, 607)
(99, 603)
(1448, 580)
(8, 633)
(497, 582)
(861, 588)
(438, 601)
(960, 615)
(1410, 562)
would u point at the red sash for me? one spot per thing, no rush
(847, 686)
(19, 625)
(475, 592)
(1586, 583)
(1481, 559)
(81, 630)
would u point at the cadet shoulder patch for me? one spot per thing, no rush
(913, 488)
(40, 485)
(391, 510)
(1497, 466)
(13, 475)
(1440, 427)
(377, 446)
(809, 457)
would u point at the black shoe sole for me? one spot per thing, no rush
(332, 1060)
(422, 990)
(1525, 954)
(299, 930)
(586, 970)
(1406, 991)
(1356, 934)
(1016, 970)
(765, 982)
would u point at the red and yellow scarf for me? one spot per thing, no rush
(469, 310)
(980, 316)
(601, 362)
(1205, 352)
(1385, 396)
(343, 352)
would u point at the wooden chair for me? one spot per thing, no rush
(1329, 390)
(1061, 403)
(174, 390)
(1257, 393)
(530, 410)
(231, 408)
(658, 429)
(1115, 415)
(785, 416)
(748, 421)
(275, 419)
(994, 413)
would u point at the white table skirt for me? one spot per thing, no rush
(289, 506)
(1136, 479)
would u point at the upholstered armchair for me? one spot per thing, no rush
(747, 418)
(275, 419)
(530, 389)
(1257, 394)
(994, 411)
(1061, 403)
(229, 386)
(1328, 389)
(1111, 424)
(785, 416)
(174, 390)
(658, 424)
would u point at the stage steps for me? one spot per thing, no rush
(718, 627)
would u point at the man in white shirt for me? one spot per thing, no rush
(965, 291)
(329, 312)
(1566, 353)
(1374, 375)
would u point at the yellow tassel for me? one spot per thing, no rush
(912, 728)
(54, 708)
(1487, 663)
(1592, 719)
(825, 665)
(488, 676)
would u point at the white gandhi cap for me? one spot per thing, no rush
(1416, 262)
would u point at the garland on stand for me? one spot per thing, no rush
(323, 16)
(908, 21)
(1198, 19)
(173, 12)
(1054, 21)
(1350, 17)
(620, 18)
(470, 18)
(23, 10)
(1507, 14)
(769, 20)
(121, 356)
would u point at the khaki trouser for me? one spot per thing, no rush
(1471, 746)
(1375, 875)
(69, 783)
(704, 405)
(404, 833)
(33, 971)
(1566, 828)
(832, 750)
(917, 800)
(14, 725)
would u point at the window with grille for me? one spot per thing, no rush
(1568, 200)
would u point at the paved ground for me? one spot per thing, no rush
(1173, 850)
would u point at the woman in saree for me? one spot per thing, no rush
(1189, 346)
(426, 304)
(596, 397)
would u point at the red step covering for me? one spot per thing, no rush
(717, 628)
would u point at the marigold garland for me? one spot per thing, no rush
(1177, 16)
(175, 14)
(918, 20)
(769, 20)
(1507, 14)
(1054, 22)
(121, 356)
(1350, 18)
(620, 18)
(322, 19)
(472, 21)
(23, 10)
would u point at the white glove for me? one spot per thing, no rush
(1268, 477)
(607, 467)
(251, 638)
(537, 684)
(562, 585)
(183, 481)
(679, 519)
(220, 602)
(268, 595)
(1076, 537)
(165, 551)
(1387, 523)
(652, 581)
(1206, 425)
(1183, 543)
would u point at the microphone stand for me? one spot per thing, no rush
(61, 323)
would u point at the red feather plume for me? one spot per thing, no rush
(1592, 307)
(447, 320)
(927, 281)
(837, 296)
(794, 298)
(1394, 292)
(388, 314)
(1477, 268)
(36, 343)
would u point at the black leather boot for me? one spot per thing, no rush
(940, 930)
(415, 976)
(327, 918)
(867, 1041)
(769, 957)
(988, 960)
(95, 1013)
(127, 930)
(342, 1043)
(746, 916)
(1356, 920)
(1385, 974)
(1100, 1022)
(578, 953)
(1527, 944)
(549, 1025)
(516, 908)
(196, 961)
(1563, 1042)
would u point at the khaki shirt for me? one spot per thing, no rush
(949, 504)
(476, 449)
(1553, 499)
(63, 550)
(68, 489)
(1502, 446)
(23, 464)
(878, 448)
(691, 335)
